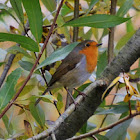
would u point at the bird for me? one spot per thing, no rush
(76, 67)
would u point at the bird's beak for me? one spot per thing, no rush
(99, 44)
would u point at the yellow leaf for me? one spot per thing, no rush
(69, 5)
(127, 97)
(134, 90)
(111, 85)
(128, 86)
(18, 57)
(138, 106)
(28, 129)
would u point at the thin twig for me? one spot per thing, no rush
(94, 137)
(21, 106)
(6, 68)
(34, 66)
(105, 128)
(111, 33)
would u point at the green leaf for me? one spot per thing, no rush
(50, 4)
(138, 87)
(34, 14)
(124, 8)
(92, 3)
(16, 4)
(83, 129)
(97, 21)
(46, 98)
(4, 8)
(138, 136)
(38, 114)
(48, 76)
(117, 109)
(58, 55)
(118, 132)
(7, 91)
(59, 105)
(25, 42)
(1, 63)
(7, 124)
(102, 63)
(124, 114)
(129, 25)
(16, 49)
(59, 97)
(27, 89)
(65, 10)
(124, 40)
(27, 66)
(90, 126)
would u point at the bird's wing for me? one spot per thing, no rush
(67, 64)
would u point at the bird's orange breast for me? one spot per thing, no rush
(91, 54)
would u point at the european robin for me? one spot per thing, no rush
(77, 67)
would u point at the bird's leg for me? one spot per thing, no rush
(80, 93)
(71, 96)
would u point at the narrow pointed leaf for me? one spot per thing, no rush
(58, 55)
(38, 113)
(118, 132)
(102, 63)
(16, 49)
(25, 42)
(34, 14)
(97, 21)
(115, 81)
(8, 91)
(124, 8)
(27, 66)
(92, 3)
(8, 125)
(50, 4)
(4, 8)
(124, 40)
(28, 129)
(16, 4)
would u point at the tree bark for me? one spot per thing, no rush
(72, 120)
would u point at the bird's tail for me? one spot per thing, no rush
(38, 100)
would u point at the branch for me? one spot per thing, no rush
(111, 33)
(34, 66)
(71, 121)
(105, 128)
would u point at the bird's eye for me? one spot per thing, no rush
(87, 45)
